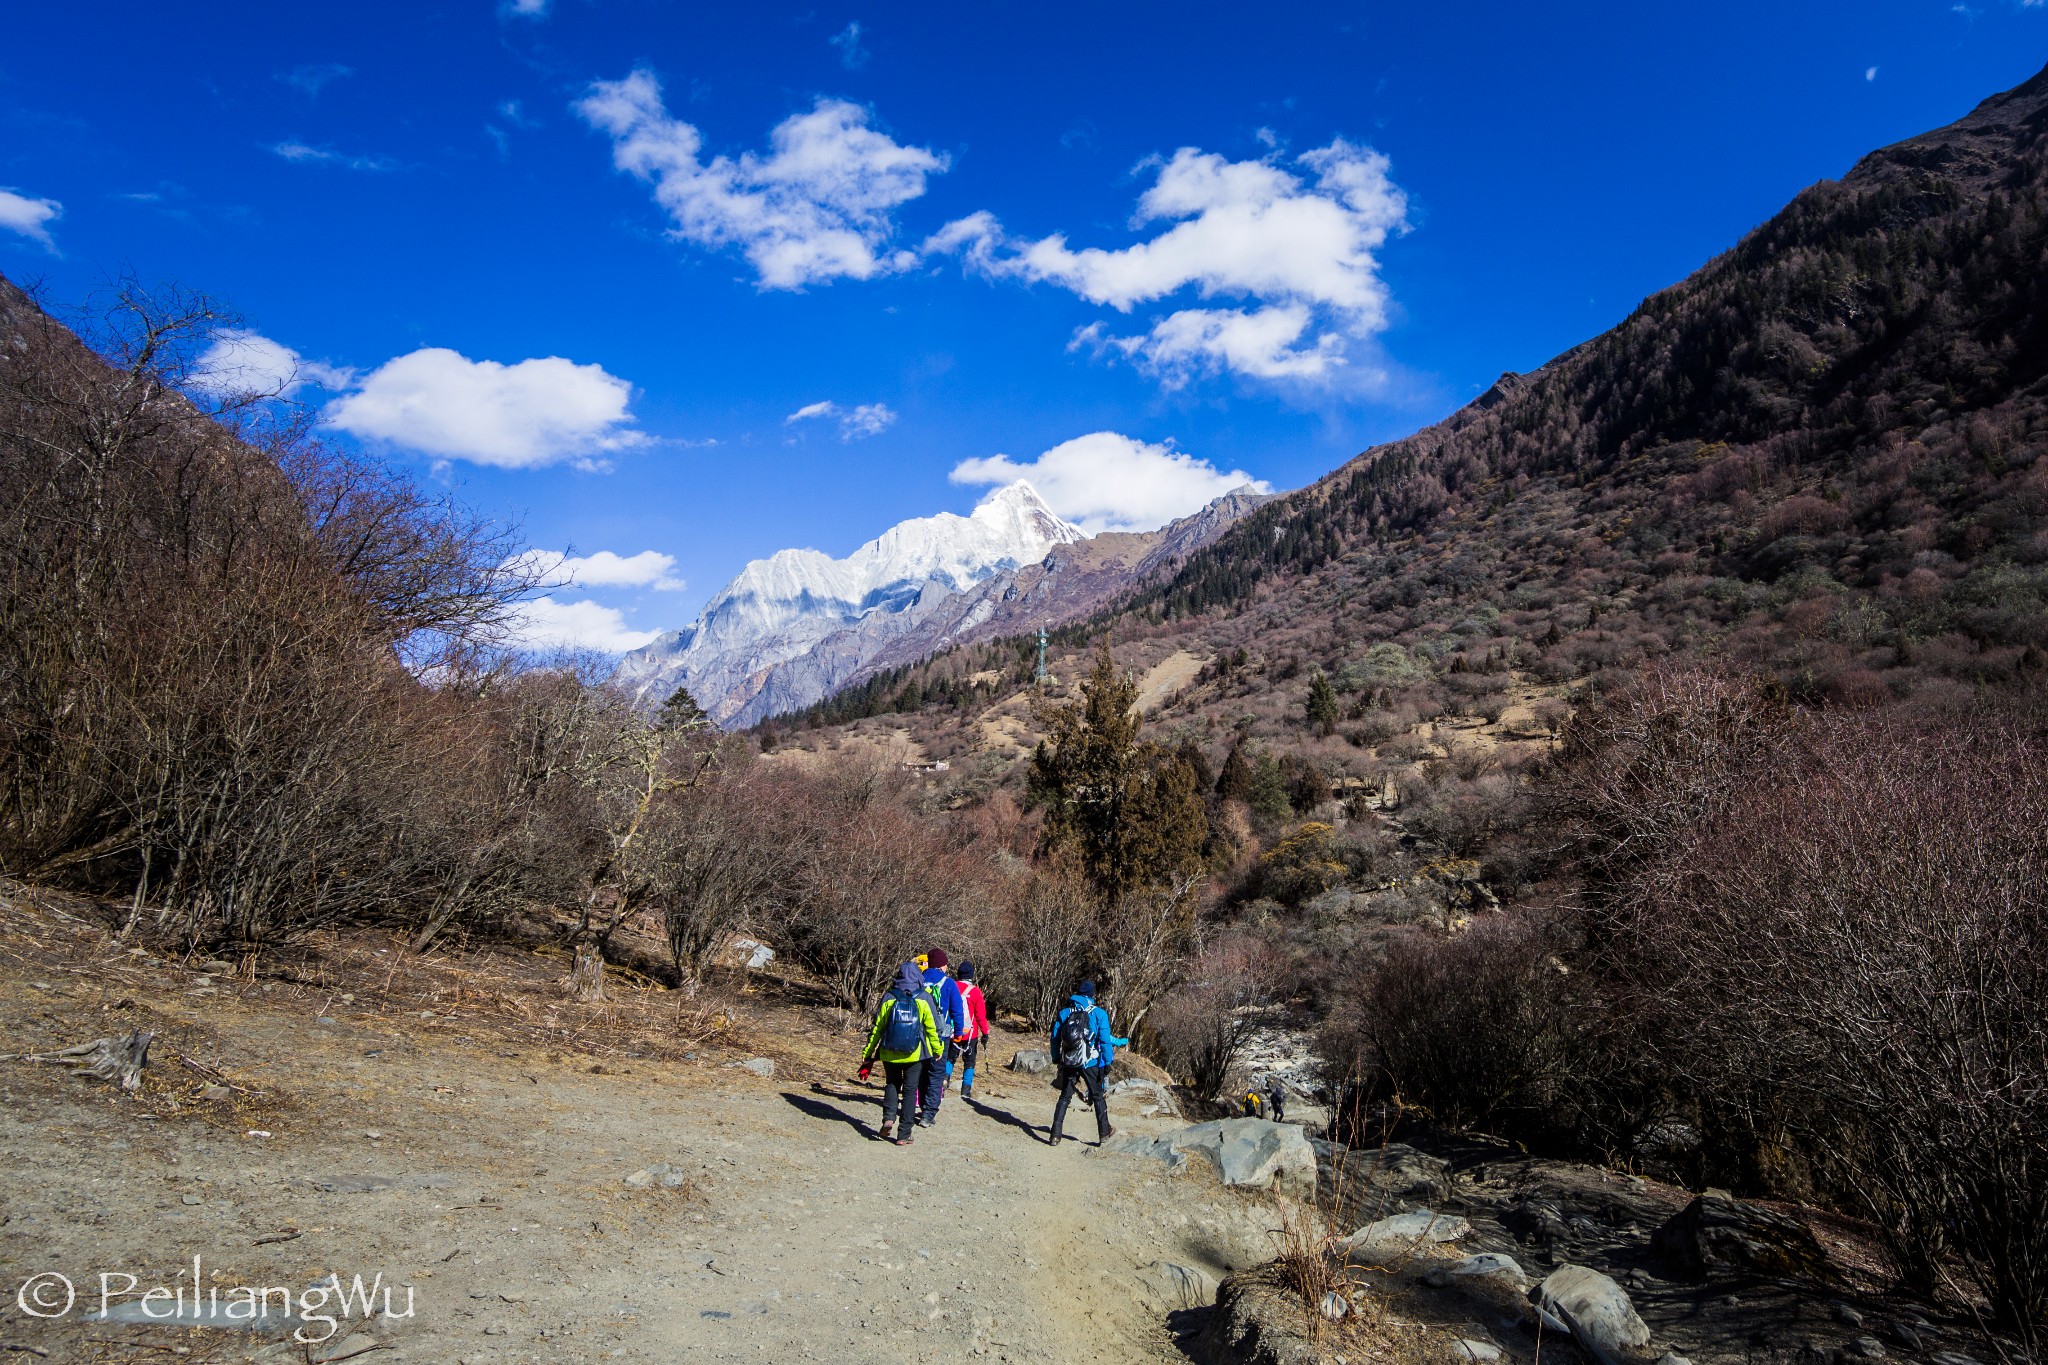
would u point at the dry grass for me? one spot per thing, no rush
(507, 997)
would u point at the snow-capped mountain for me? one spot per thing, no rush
(787, 604)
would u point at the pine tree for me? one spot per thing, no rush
(681, 712)
(1234, 783)
(1127, 809)
(1323, 711)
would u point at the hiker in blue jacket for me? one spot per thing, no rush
(1082, 1048)
(952, 1012)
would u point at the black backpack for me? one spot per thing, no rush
(1073, 1042)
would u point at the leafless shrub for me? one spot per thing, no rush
(1199, 1032)
(872, 883)
(1047, 942)
(203, 622)
(1478, 1029)
(1865, 953)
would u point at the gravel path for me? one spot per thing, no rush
(493, 1184)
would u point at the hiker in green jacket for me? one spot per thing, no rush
(905, 1039)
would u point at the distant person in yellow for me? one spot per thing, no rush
(905, 1040)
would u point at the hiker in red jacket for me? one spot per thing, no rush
(976, 1032)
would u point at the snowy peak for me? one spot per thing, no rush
(1012, 526)
(781, 606)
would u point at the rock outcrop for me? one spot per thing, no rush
(1717, 1232)
(1253, 1153)
(1403, 1233)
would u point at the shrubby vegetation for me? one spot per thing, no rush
(1803, 954)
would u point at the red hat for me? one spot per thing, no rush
(937, 957)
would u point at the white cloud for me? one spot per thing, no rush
(29, 217)
(240, 363)
(527, 9)
(1869, 73)
(855, 423)
(816, 208)
(1106, 481)
(1303, 244)
(852, 55)
(648, 569)
(545, 623)
(306, 154)
(535, 412)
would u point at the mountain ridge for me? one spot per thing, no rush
(1818, 455)
(794, 627)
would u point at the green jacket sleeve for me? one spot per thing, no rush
(875, 1032)
(933, 1047)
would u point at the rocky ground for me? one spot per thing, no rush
(657, 1178)
(551, 1182)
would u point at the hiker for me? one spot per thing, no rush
(905, 1040)
(1276, 1100)
(1083, 1048)
(977, 1029)
(951, 1011)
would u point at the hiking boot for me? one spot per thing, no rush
(887, 1132)
(1107, 1134)
(905, 1140)
(966, 1092)
(1053, 1141)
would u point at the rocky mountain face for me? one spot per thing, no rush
(798, 626)
(795, 602)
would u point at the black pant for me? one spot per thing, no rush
(1070, 1076)
(900, 1078)
(935, 1072)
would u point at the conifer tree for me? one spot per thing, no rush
(1323, 711)
(1235, 782)
(1127, 809)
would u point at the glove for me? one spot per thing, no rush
(866, 1069)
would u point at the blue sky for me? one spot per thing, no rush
(675, 286)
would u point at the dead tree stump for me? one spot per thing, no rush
(586, 978)
(109, 1059)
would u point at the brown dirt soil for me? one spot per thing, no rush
(456, 1125)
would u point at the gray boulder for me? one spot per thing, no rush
(1487, 1267)
(661, 1173)
(1399, 1175)
(1251, 1153)
(1405, 1232)
(1716, 1232)
(1150, 1096)
(1035, 1061)
(1593, 1310)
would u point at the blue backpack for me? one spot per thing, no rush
(903, 1029)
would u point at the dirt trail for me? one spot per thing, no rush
(491, 1179)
